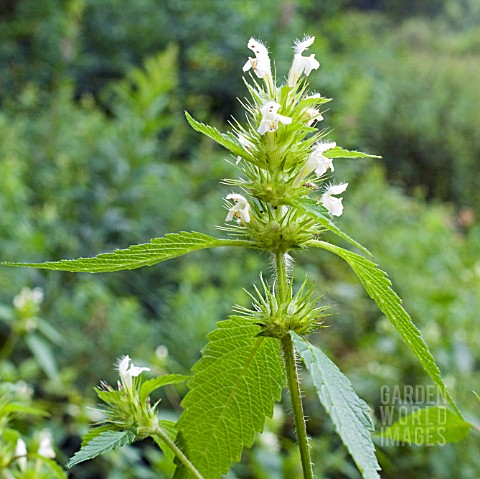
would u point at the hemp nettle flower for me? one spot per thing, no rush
(261, 63)
(312, 114)
(21, 454)
(318, 162)
(332, 204)
(127, 373)
(300, 63)
(240, 210)
(45, 447)
(270, 118)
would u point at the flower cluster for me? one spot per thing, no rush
(127, 407)
(285, 160)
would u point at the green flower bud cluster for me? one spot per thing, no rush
(276, 316)
(127, 407)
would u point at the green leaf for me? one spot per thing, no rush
(94, 432)
(104, 442)
(339, 152)
(159, 249)
(226, 140)
(235, 385)
(349, 413)
(378, 286)
(316, 211)
(429, 426)
(54, 468)
(149, 386)
(20, 409)
(43, 354)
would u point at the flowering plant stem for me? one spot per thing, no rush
(297, 408)
(159, 436)
(293, 381)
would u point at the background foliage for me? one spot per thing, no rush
(95, 154)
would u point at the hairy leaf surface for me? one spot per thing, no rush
(159, 249)
(152, 384)
(339, 152)
(235, 385)
(104, 442)
(316, 211)
(349, 413)
(378, 286)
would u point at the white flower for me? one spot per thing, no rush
(311, 115)
(45, 448)
(240, 210)
(246, 143)
(332, 204)
(300, 63)
(28, 296)
(261, 63)
(271, 118)
(127, 373)
(318, 161)
(21, 453)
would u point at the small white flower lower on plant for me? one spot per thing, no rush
(127, 372)
(21, 453)
(318, 162)
(300, 63)
(332, 204)
(26, 296)
(261, 63)
(270, 118)
(45, 447)
(240, 210)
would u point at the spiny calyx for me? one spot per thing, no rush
(297, 312)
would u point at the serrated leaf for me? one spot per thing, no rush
(159, 249)
(94, 432)
(227, 141)
(104, 442)
(349, 413)
(315, 210)
(378, 286)
(429, 426)
(339, 152)
(235, 385)
(149, 386)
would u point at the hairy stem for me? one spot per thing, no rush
(297, 408)
(159, 435)
(293, 381)
(282, 280)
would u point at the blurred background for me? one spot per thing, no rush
(95, 154)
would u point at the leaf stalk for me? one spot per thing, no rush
(159, 434)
